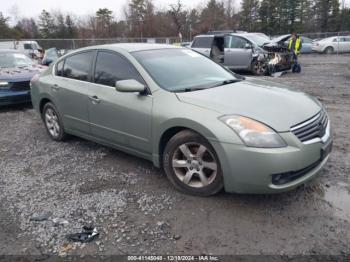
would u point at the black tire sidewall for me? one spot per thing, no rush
(62, 134)
(183, 137)
(329, 50)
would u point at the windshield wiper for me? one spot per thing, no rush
(190, 89)
(229, 81)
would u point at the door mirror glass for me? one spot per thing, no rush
(129, 86)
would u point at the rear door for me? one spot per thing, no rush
(203, 44)
(237, 56)
(122, 119)
(70, 90)
(345, 44)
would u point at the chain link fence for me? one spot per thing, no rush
(322, 35)
(70, 44)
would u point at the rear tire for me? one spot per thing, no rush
(191, 164)
(53, 122)
(329, 50)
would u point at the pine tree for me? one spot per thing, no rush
(249, 14)
(47, 26)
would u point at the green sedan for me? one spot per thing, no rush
(205, 126)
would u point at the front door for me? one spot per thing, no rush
(237, 56)
(123, 119)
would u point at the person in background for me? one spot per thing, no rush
(295, 44)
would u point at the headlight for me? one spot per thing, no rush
(254, 133)
(2, 83)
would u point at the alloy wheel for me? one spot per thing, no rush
(52, 123)
(194, 165)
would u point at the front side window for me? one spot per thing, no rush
(78, 66)
(203, 42)
(238, 42)
(111, 67)
(178, 70)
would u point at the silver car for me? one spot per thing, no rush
(338, 44)
(245, 51)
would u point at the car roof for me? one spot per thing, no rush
(132, 47)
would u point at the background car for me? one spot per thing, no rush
(16, 71)
(201, 123)
(30, 48)
(51, 55)
(338, 44)
(247, 51)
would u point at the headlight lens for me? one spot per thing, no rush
(254, 133)
(3, 84)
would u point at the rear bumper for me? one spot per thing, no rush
(14, 97)
(252, 170)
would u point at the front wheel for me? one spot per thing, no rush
(192, 165)
(259, 68)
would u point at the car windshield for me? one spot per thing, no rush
(258, 40)
(179, 70)
(8, 60)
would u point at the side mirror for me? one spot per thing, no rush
(248, 46)
(129, 86)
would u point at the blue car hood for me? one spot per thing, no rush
(19, 74)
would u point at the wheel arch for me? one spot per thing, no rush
(169, 131)
(42, 103)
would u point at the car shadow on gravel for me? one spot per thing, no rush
(17, 107)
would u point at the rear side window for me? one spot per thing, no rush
(59, 68)
(203, 42)
(111, 67)
(78, 66)
(27, 46)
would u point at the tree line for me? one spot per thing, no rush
(144, 19)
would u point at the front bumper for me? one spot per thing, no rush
(317, 49)
(251, 170)
(8, 97)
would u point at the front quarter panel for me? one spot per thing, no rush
(169, 112)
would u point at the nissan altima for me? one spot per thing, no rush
(206, 127)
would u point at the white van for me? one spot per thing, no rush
(30, 48)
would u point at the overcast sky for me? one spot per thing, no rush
(32, 8)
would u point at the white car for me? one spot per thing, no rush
(338, 44)
(30, 48)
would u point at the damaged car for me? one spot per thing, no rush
(245, 51)
(16, 71)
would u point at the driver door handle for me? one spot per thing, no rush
(94, 99)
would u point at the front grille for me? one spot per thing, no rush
(20, 86)
(312, 128)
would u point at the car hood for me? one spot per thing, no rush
(273, 104)
(18, 74)
(280, 39)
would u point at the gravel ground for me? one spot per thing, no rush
(135, 208)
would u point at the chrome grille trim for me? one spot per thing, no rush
(313, 130)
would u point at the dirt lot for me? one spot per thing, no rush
(135, 208)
